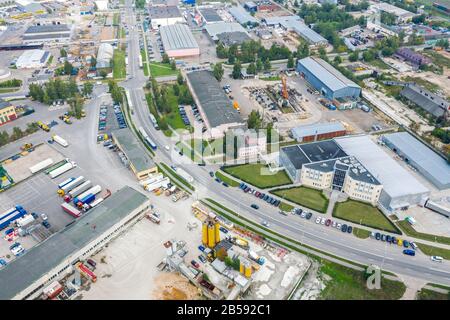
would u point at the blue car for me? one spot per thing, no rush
(201, 248)
(3, 262)
(409, 252)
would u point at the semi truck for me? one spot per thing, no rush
(186, 176)
(153, 178)
(85, 270)
(63, 169)
(157, 184)
(154, 218)
(11, 215)
(62, 184)
(24, 221)
(71, 185)
(60, 141)
(438, 208)
(87, 196)
(78, 190)
(41, 165)
(74, 212)
(53, 290)
(91, 205)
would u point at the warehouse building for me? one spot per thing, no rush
(327, 80)
(164, 16)
(402, 15)
(32, 59)
(214, 105)
(104, 56)
(47, 33)
(400, 189)
(415, 58)
(227, 32)
(318, 131)
(428, 101)
(295, 24)
(139, 161)
(7, 112)
(433, 167)
(54, 258)
(209, 15)
(178, 41)
(242, 16)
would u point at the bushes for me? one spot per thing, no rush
(13, 83)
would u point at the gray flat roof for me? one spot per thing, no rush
(428, 160)
(48, 28)
(213, 100)
(130, 146)
(241, 15)
(295, 23)
(317, 128)
(396, 180)
(20, 273)
(331, 77)
(425, 99)
(164, 12)
(177, 36)
(210, 15)
(46, 36)
(230, 38)
(215, 29)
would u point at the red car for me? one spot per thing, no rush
(328, 222)
(257, 193)
(195, 264)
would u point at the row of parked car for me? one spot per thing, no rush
(260, 195)
(119, 116)
(184, 116)
(334, 224)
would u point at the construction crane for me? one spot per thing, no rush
(284, 91)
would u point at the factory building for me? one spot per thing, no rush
(164, 16)
(327, 80)
(215, 107)
(401, 190)
(32, 59)
(178, 41)
(318, 131)
(7, 112)
(428, 101)
(227, 32)
(104, 56)
(295, 24)
(138, 160)
(26, 276)
(209, 15)
(47, 33)
(242, 16)
(402, 15)
(433, 167)
(413, 57)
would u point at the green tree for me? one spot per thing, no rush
(4, 138)
(290, 63)
(337, 60)
(251, 69)
(16, 134)
(254, 120)
(68, 68)
(369, 55)
(218, 71)
(63, 52)
(93, 62)
(267, 65)
(259, 65)
(173, 65)
(165, 58)
(180, 79)
(303, 50)
(176, 89)
(236, 74)
(322, 52)
(221, 51)
(354, 56)
(76, 105)
(87, 88)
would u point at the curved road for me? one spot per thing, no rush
(368, 251)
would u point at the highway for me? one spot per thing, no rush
(326, 239)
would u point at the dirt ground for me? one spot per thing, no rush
(172, 286)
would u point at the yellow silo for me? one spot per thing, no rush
(211, 236)
(248, 270)
(217, 228)
(205, 233)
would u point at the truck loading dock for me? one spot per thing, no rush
(25, 277)
(139, 161)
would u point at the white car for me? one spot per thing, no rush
(436, 258)
(339, 226)
(167, 148)
(303, 215)
(265, 223)
(334, 224)
(17, 249)
(44, 217)
(323, 221)
(318, 220)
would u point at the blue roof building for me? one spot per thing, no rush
(326, 79)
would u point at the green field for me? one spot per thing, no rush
(426, 294)
(306, 197)
(251, 173)
(364, 214)
(434, 251)
(224, 178)
(409, 230)
(161, 69)
(119, 67)
(349, 284)
(361, 233)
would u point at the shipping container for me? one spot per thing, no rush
(61, 170)
(71, 185)
(41, 165)
(71, 210)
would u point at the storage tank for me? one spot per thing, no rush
(205, 233)
(211, 236)
(241, 267)
(217, 231)
(247, 269)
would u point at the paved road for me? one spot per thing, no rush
(322, 238)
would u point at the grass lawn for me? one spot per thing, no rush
(349, 284)
(379, 64)
(426, 294)
(438, 58)
(8, 90)
(361, 233)
(119, 67)
(307, 197)
(365, 214)
(251, 173)
(286, 207)
(409, 230)
(434, 251)
(161, 69)
(122, 33)
(230, 182)
(173, 118)
(274, 78)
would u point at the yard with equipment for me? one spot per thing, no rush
(258, 175)
(306, 197)
(364, 214)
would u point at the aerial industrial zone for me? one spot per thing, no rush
(226, 150)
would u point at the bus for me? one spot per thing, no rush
(154, 122)
(147, 139)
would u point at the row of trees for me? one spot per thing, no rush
(115, 91)
(53, 90)
(13, 83)
(17, 133)
(251, 51)
(442, 134)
